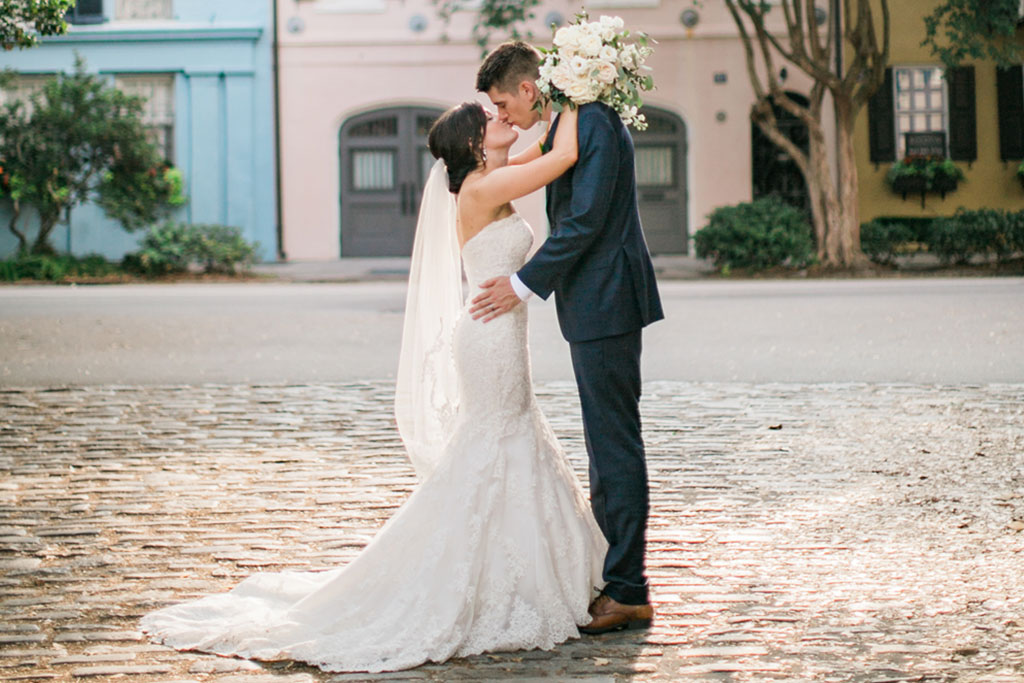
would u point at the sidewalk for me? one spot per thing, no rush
(363, 269)
(818, 532)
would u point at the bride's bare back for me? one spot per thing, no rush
(487, 192)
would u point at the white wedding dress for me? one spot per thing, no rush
(495, 550)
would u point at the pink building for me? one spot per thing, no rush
(362, 80)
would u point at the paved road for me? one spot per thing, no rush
(828, 533)
(923, 330)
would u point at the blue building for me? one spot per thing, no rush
(206, 69)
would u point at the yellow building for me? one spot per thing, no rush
(975, 111)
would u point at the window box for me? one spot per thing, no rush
(1020, 173)
(920, 175)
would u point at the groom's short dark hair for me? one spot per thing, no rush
(507, 66)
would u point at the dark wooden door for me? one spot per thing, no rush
(661, 181)
(384, 165)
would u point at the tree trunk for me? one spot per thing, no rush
(42, 245)
(820, 176)
(22, 240)
(848, 228)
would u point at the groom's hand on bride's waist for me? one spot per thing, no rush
(497, 298)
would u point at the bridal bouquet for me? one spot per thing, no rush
(592, 62)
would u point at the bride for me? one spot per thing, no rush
(496, 549)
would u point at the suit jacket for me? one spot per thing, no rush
(596, 260)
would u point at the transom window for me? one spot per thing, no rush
(158, 109)
(920, 103)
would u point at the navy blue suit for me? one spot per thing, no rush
(596, 263)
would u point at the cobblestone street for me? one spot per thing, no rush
(819, 532)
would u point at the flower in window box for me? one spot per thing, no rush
(944, 176)
(920, 174)
(1020, 173)
(907, 177)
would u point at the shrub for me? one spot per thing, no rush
(948, 242)
(976, 233)
(221, 248)
(54, 267)
(1015, 232)
(882, 240)
(759, 234)
(173, 247)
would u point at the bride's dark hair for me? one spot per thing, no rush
(458, 138)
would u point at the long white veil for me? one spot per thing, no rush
(427, 390)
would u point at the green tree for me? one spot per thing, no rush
(975, 29)
(491, 16)
(810, 39)
(22, 21)
(77, 140)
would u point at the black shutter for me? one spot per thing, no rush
(882, 122)
(1010, 93)
(963, 120)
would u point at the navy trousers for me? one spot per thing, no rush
(608, 377)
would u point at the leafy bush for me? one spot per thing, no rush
(54, 268)
(882, 241)
(979, 232)
(173, 247)
(221, 248)
(948, 242)
(165, 249)
(759, 234)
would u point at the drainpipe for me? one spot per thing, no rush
(276, 69)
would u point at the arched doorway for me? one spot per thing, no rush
(774, 171)
(384, 165)
(661, 181)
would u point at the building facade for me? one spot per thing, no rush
(362, 80)
(973, 114)
(205, 69)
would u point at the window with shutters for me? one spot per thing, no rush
(133, 10)
(920, 103)
(158, 109)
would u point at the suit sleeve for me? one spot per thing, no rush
(593, 184)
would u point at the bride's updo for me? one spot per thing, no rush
(458, 138)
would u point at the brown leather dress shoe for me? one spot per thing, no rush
(609, 615)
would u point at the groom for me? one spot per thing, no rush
(596, 262)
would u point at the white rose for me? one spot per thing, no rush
(569, 37)
(608, 54)
(606, 72)
(579, 65)
(591, 45)
(563, 36)
(561, 76)
(580, 92)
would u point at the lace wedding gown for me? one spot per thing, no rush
(495, 550)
